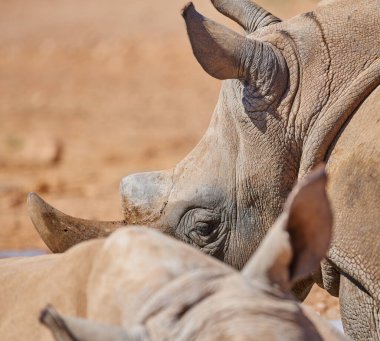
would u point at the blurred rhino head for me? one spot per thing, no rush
(274, 121)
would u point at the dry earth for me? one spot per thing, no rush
(94, 90)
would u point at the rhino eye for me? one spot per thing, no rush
(203, 229)
(203, 234)
(200, 227)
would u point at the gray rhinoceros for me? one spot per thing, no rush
(141, 285)
(295, 93)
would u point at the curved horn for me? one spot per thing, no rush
(246, 13)
(225, 54)
(60, 231)
(144, 197)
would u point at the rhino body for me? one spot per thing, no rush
(295, 93)
(352, 269)
(139, 284)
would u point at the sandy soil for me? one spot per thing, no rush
(91, 91)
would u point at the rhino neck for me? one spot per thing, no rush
(336, 73)
(330, 122)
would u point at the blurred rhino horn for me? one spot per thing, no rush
(246, 13)
(67, 328)
(60, 231)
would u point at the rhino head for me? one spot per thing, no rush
(285, 95)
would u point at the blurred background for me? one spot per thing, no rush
(93, 90)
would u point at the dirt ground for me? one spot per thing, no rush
(91, 91)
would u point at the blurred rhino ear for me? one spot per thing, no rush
(300, 237)
(75, 329)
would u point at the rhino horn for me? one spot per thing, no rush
(74, 329)
(225, 54)
(246, 13)
(60, 231)
(144, 196)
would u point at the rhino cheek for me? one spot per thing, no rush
(145, 195)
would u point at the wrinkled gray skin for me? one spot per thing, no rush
(139, 284)
(288, 101)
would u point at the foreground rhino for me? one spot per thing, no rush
(288, 103)
(141, 285)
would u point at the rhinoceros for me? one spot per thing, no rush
(139, 284)
(294, 93)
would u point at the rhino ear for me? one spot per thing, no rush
(300, 237)
(246, 13)
(225, 54)
(75, 329)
